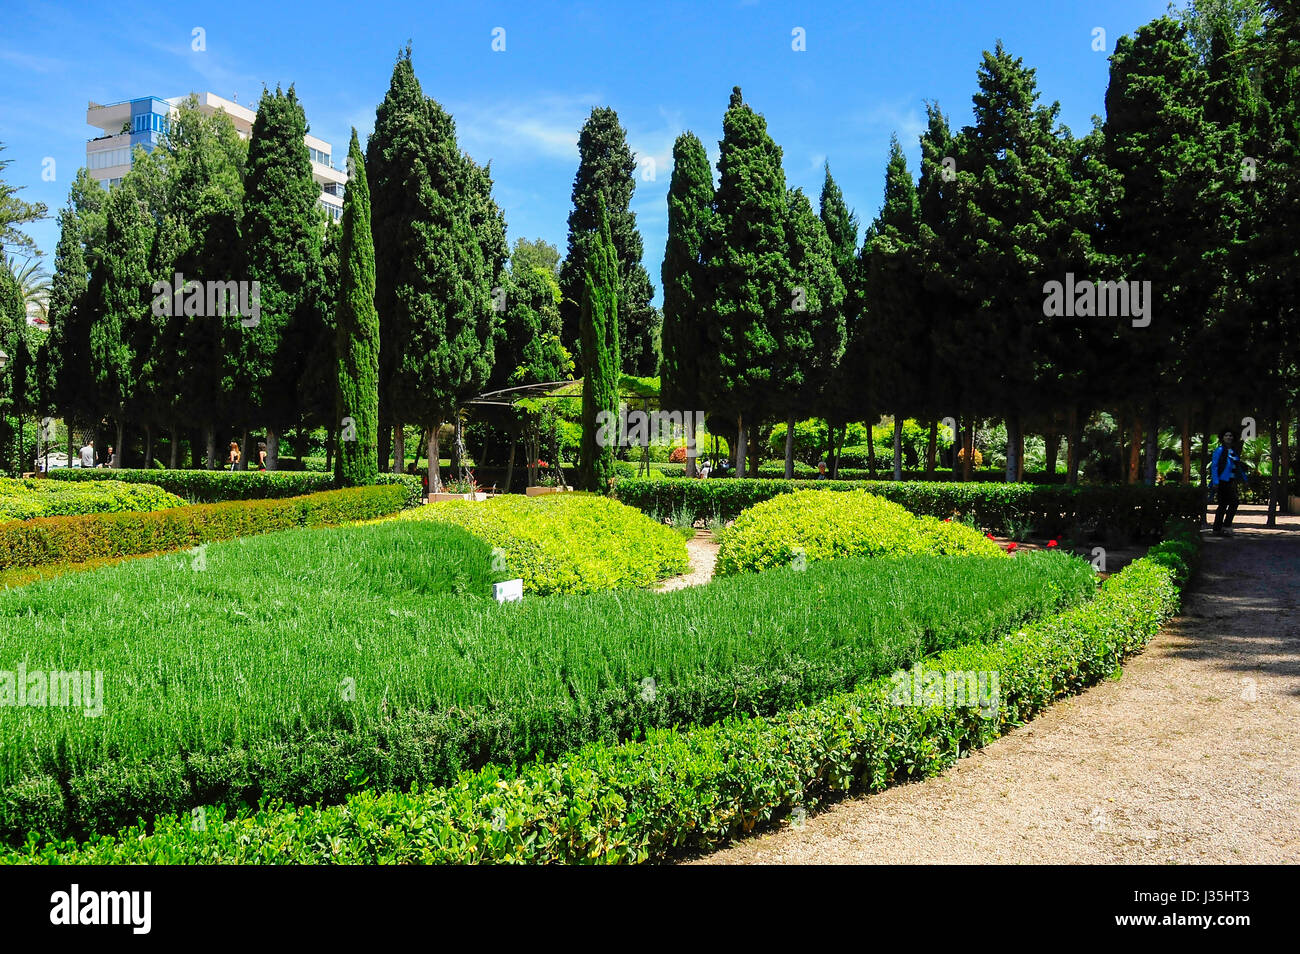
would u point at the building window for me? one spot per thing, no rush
(109, 157)
(323, 158)
(150, 122)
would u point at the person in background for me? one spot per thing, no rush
(821, 471)
(88, 454)
(233, 457)
(112, 457)
(705, 469)
(1226, 470)
(261, 455)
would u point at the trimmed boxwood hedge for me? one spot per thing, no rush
(824, 525)
(32, 498)
(213, 486)
(1138, 511)
(49, 540)
(682, 791)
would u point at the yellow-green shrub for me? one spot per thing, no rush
(570, 542)
(823, 525)
(29, 499)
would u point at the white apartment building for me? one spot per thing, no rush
(143, 122)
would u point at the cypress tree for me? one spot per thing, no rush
(745, 259)
(688, 369)
(895, 320)
(357, 330)
(281, 231)
(607, 167)
(600, 355)
(810, 333)
(837, 401)
(393, 152)
(120, 293)
(67, 347)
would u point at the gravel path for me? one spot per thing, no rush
(703, 552)
(1192, 756)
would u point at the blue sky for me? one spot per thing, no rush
(866, 73)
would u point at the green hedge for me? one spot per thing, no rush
(1137, 511)
(683, 791)
(214, 486)
(568, 542)
(823, 525)
(49, 540)
(31, 498)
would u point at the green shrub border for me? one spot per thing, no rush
(1137, 511)
(67, 540)
(215, 486)
(678, 791)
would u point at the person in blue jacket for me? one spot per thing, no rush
(1226, 471)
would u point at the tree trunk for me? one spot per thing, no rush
(510, 467)
(739, 451)
(1051, 449)
(435, 468)
(1205, 458)
(399, 450)
(148, 446)
(1012, 472)
(1072, 453)
(968, 447)
(1135, 451)
(871, 453)
(456, 438)
(1020, 456)
(210, 445)
(1274, 487)
(1186, 448)
(385, 443)
(692, 452)
(931, 449)
(117, 446)
(1286, 460)
(245, 450)
(1153, 444)
(272, 448)
(898, 447)
(789, 447)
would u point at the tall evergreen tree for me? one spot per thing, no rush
(1164, 157)
(837, 402)
(205, 164)
(688, 369)
(281, 232)
(70, 376)
(745, 260)
(810, 334)
(607, 167)
(394, 159)
(444, 317)
(600, 355)
(357, 323)
(120, 293)
(899, 366)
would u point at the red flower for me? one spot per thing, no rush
(947, 519)
(1012, 547)
(542, 463)
(989, 535)
(1050, 544)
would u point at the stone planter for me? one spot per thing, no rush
(438, 498)
(538, 491)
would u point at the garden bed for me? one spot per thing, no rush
(374, 655)
(682, 791)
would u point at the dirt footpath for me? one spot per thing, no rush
(1192, 756)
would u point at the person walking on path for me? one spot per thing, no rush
(88, 454)
(233, 457)
(1226, 470)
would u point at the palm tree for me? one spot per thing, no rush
(34, 285)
